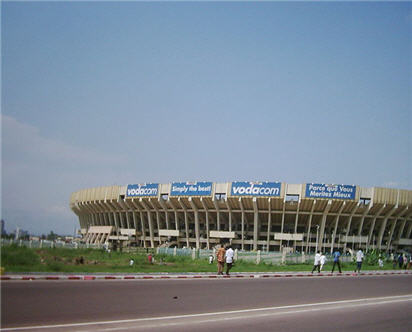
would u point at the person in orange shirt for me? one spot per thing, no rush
(220, 257)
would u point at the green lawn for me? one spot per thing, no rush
(22, 259)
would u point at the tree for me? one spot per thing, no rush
(52, 236)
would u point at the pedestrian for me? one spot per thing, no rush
(359, 260)
(336, 256)
(229, 258)
(400, 260)
(131, 262)
(322, 261)
(394, 261)
(405, 261)
(316, 263)
(211, 259)
(220, 255)
(150, 258)
(410, 262)
(380, 262)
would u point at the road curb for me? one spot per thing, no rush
(197, 276)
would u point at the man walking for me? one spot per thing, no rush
(322, 261)
(316, 263)
(229, 258)
(220, 257)
(359, 260)
(336, 256)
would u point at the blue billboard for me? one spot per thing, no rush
(191, 189)
(332, 191)
(256, 189)
(142, 190)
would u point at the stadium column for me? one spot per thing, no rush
(186, 223)
(373, 224)
(217, 213)
(149, 217)
(163, 204)
(283, 222)
(176, 219)
(392, 230)
(335, 229)
(243, 223)
(362, 222)
(157, 220)
(230, 215)
(309, 226)
(383, 225)
(269, 223)
(125, 208)
(296, 224)
(255, 224)
(129, 208)
(349, 224)
(207, 222)
(323, 224)
(143, 233)
(408, 233)
(194, 207)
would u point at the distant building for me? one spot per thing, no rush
(20, 233)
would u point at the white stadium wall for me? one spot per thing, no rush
(249, 215)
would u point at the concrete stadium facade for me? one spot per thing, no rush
(249, 215)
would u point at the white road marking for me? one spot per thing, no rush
(300, 307)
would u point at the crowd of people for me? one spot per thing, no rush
(404, 261)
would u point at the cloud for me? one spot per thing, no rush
(39, 174)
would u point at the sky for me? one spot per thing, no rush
(104, 93)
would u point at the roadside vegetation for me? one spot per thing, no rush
(22, 259)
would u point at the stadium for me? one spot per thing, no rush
(269, 216)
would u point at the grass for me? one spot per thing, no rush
(22, 259)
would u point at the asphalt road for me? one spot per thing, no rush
(381, 303)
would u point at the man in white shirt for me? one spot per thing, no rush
(359, 259)
(316, 264)
(322, 261)
(229, 258)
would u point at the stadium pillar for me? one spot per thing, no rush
(296, 225)
(348, 226)
(217, 213)
(383, 226)
(309, 226)
(269, 224)
(243, 223)
(283, 223)
(143, 229)
(230, 215)
(186, 224)
(255, 224)
(322, 226)
(194, 207)
(408, 233)
(150, 220)
(207, 222)
(373, 223)
(162, 203)
(392, 230)
(336, 226)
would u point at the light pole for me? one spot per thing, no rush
(317, 236)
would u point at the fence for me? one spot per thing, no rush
(49, 244)
(275, 258)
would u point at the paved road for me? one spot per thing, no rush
(381, 303)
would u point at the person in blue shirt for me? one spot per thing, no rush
(336, 256)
